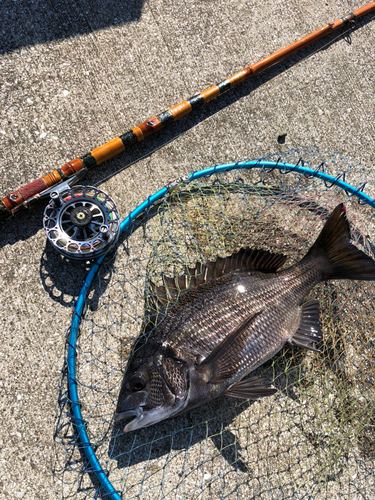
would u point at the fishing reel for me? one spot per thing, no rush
(81, 222)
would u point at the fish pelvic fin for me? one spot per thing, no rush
(308, 330)
(225, 360)
(340, 259)
(251, 388)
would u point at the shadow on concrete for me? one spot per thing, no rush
(63, 278)
(194, 427)
(29, 22)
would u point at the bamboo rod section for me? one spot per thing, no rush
(11, 203)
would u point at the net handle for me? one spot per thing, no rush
(267, 166)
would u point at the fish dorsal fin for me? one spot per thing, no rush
(224, 360)
(246, 259)
(250, 388)
(162, 296)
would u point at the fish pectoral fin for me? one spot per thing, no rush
(251, 388)
(308, 330)
(224, 361)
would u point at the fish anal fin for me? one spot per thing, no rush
(308, 330)
(224, 360)
(251, 388)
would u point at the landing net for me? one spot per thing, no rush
(315, 437)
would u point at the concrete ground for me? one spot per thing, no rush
(74, 75)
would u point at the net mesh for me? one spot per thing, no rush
(315, 437)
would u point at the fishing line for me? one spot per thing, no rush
(352, 28)
(75, 170)
(83, 240)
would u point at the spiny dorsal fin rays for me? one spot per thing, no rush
(212, 270)
(246, 259)
(182, 282)
(219, 266)
(197, 275)
(171, 285)
(157, 299)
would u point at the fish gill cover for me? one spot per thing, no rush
(315, 437)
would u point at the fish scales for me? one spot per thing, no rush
(205, 323)
(238, 312)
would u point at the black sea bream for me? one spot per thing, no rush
(237, 313)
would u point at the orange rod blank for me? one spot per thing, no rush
(11, 203)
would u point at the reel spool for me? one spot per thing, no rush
(82, 222)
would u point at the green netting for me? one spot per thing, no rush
(315, 437)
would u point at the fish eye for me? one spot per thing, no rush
(137, 383)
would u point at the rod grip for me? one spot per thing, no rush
(15, 199)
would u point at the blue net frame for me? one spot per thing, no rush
(266, 166)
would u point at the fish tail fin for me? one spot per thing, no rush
(340, 259)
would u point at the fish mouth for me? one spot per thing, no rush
(142, 418)
(145, 418)
(136, 412)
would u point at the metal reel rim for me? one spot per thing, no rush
(88, 247)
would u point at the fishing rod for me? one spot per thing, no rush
(75, 170)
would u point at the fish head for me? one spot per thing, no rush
(152, 391)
